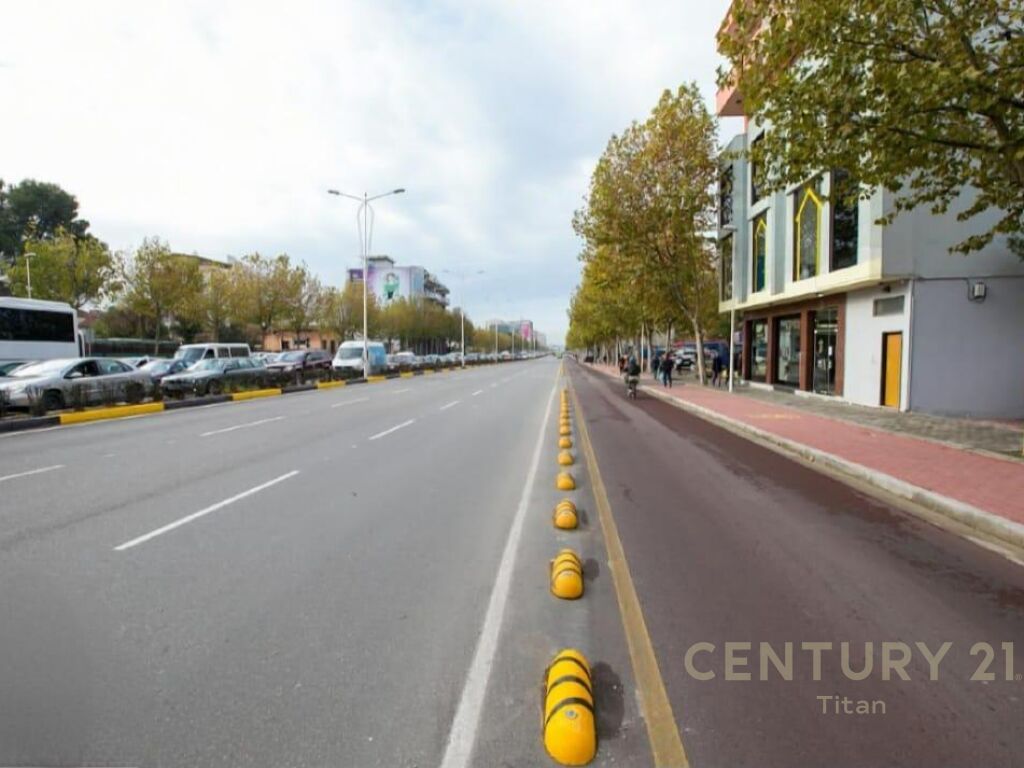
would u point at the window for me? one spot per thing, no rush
(108, 367)
(760, 247)
(725, 196)
(759, 350)
(756, 171)
(787, 351)
(807, 206)
(844, 221)
(725, 266)
(35, 325)
(889, 306)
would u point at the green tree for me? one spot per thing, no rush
(159, 286)
(649, 207)
(36, 210)
(921, 98)
(341, 311)
(263, 288)
(74, 269)
(303, 301)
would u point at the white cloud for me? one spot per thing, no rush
(220, 126)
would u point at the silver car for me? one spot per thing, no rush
(73, 381)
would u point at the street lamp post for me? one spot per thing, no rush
(461, 274)
(28, 273)
(365, 240)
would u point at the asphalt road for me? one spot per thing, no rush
(728, 541)
(358, 577)
(321, 597)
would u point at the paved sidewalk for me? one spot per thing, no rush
(990, 484)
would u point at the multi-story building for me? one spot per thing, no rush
(523, 329)
(389, 282)
(832, 302)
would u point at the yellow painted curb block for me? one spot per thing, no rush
(406, 374)
(567, 575)
(570, 735)
(564, 430)
(565, 482)
(564, 420)
(116, 412)
(375, 379)
(565, 459)
(565, 517)
(255, 393)
(429, 373)
(565, 442)
(329, 384)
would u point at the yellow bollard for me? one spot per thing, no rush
(567, 575)
(565, 482)
(570, 736)
(565, 516)
(565, 459)
(564, 430)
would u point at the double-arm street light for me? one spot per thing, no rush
(364, 221)
(461, 274)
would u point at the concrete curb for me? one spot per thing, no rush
(34, 422)
(196, 402)
(989, 523)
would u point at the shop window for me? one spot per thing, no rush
(757, 186)
(759, 350)
(892, 305)
(844, 221)
(760, 247)
(826, 334)
(807, 204)
(787, 351)
(725, 181)
(725, 266)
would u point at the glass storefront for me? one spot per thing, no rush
(787, 352)
(826, 326)
(759, 350)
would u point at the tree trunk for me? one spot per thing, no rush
(698, 336)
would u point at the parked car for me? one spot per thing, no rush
(158, 368)
(81, 380)
(194, 352)
(213, 375)
(349, 357)
(10, 365)
(300, 361)
(406, 361)
(137, 362)
(266, 357)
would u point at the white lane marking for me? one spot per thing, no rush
(201, 513)
(350, 402)
(478, 392)
(462, 736)
(32, 472)
(400, 391)
(452, 404)
(393, 429)
(241, 426)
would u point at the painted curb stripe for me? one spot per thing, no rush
(116, 412)
(255, 394)
(329, 384)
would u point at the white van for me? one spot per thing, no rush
(349, 357)
(193, 353)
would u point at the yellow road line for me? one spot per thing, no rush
(329, 384)
(666, 744)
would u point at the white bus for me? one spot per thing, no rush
(37, 330)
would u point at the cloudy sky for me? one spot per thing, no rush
(218, 126)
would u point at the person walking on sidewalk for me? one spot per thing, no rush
(716, 370)
(666, 371)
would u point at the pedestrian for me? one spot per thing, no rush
(666, 371)
(622, 364)
(716, 369)
(656, 366)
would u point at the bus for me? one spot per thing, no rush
(38, 330)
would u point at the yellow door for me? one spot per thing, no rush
(892, 364)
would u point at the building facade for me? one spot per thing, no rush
(830, 301)
(389, 282)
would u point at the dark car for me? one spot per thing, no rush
(158, 368)
(214, 375)
(298, 362)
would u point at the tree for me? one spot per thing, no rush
(36, 210)
(341, 311)
(921, 98)
(74, 269)
(159, 286)
(263, 289)
(305, 295)
(646, 216)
